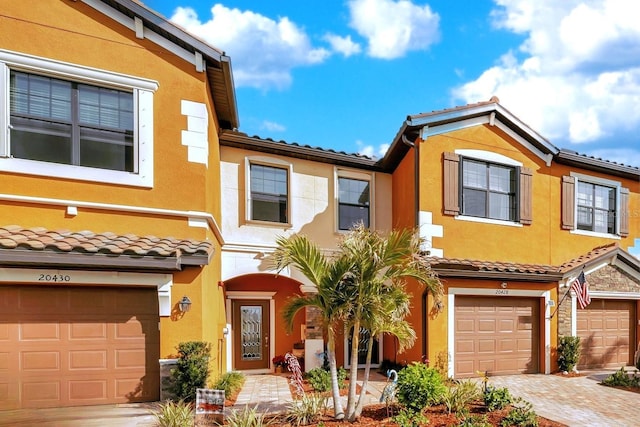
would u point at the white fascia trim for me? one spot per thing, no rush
(428, 131)
(148, 34)
(492, 292)
(546, 157)
(60, 69)
(613, 295)
(211, 221)
(488, 156)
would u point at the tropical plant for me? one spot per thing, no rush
(409, 418)
(381, 267)
(320, 379)
(361, 287)
(306, 410)
(458, 396)
(192, 369)
(230, 382)
(497, 398)
(174, 414)
(475, 421)
(621, 378)
(248, 417)
(327, 274)
(419, 386)
(521, 414)
(568, 353)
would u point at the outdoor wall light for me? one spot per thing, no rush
(185, 304)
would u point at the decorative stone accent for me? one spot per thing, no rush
(166, 365)
(606, 279)
(314, 323)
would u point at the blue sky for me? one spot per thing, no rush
(344, 75)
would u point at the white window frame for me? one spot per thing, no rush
(273, 163)
(143, 93)
(597, 181)
(359, 175)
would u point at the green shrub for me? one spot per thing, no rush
(568, 353)
(230, 382)
(409, 418)
(522, 415)
(174, 414)
(192, 369)
(497, 398)
(320, 379)
(621, 378)
(475, 421)
(419, 386)
(457, 397)
(306, 410)
(248, 417)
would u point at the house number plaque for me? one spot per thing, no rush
(502, 292)
(44, 277)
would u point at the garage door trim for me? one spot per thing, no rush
(505, 293)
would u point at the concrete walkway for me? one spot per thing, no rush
(579, 401)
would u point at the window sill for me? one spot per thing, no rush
(78, 173)
(488, 221)
(595, 234)
(258, 223)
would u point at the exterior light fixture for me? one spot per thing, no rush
(184, 304)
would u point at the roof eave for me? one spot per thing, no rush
(571, 158)
(241, 140)
(497, 275)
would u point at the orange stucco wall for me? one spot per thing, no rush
(83, 36)
(542, 242)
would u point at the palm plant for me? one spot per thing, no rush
(328, 274)
(381, 267)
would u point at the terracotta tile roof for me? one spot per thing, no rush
(491, 266)
(41, 240)
(593, 254)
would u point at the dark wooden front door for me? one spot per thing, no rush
(251, 334)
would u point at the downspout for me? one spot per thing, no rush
(416, 201)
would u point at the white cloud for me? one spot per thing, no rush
(371, 151)
(263, 50)
(343, 45)
(272, 126)
(392, 27)
(577, 75)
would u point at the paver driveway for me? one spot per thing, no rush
(578, 401)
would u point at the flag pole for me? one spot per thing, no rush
(561, 301)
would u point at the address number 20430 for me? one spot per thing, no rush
(54, 277)
(502, 292)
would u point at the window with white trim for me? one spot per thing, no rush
(70, 121)
(269, 193)
(354, 197)
(594, 205)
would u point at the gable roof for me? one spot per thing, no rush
(602, 255)
(39, 247)
(487, 112)
(214, 62)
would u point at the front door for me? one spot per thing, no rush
(251, 334)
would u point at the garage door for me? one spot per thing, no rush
(499, 335)
(69, 346)
(605, 328)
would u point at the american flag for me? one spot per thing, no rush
(581, 288)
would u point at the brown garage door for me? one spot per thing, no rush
(605, 331)
(499, 335)
(68, 346)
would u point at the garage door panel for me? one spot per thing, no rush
(504, 335)
(606, 329)
(79, 357)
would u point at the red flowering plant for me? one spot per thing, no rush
(279, 361)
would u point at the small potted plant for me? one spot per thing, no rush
(279, 363)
